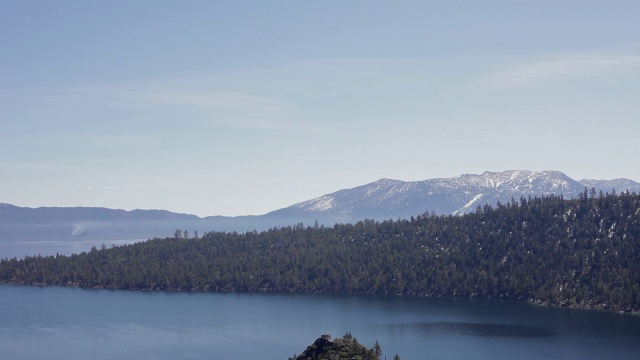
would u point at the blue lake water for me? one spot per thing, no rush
(71, 323)
(19, 249)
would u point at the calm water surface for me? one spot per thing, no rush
(20, 249)
(70, 323)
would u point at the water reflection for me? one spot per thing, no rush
(430, 329)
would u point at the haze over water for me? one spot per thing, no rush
(71, 323)
(19, 249)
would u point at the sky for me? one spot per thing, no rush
(244, 107)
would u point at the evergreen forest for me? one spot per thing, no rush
(345, 348)
(582, 252)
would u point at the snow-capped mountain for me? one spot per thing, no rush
(392, 199)
(380, 200)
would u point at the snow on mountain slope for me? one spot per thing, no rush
(610, 186)
(391, 199)
(380, 200)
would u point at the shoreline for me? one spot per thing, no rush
(536, 302)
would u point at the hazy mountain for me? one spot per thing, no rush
(615, 185)
(379, 200)
(77, 223)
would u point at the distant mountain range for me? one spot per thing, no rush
(379, 200)
(385, 199)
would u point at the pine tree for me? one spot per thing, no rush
(378, 349)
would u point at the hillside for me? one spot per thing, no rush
(381, 200)
(583, 252)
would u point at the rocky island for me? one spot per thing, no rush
(347, 347)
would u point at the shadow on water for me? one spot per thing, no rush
(470, 329)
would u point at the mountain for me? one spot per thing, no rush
(392, 199)
(93, 223)
(380, 200)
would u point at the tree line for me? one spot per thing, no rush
(579, 252)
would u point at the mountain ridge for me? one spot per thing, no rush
(456, 195)
(383, 199)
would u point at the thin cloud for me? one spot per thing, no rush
(243, 110)
(228, 100)
(566, 66)
(258, 98)
(240, 110)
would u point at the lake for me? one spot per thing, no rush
(19, 249)
(72, 323)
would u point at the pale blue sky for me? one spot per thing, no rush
(244, 107)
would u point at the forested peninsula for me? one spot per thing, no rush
(582, 252)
